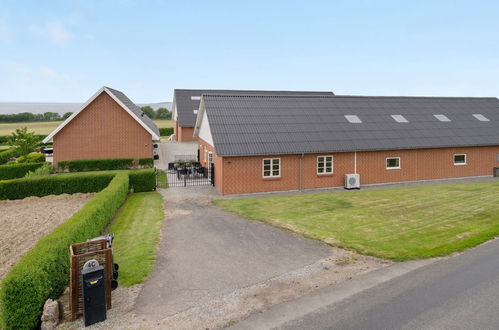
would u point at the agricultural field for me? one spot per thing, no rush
(398, 223)
(45, 127)
(25, 221)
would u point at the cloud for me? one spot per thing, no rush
(53, 31)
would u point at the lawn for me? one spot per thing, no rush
(45, 127)
(137, 230)
(398, 224)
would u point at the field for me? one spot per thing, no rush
(45, 127)
(25, 221)
(398, 223)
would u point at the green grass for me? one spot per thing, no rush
(398, 224)
(136, 235)
(4, 147)
(46, 127)
(161, 179)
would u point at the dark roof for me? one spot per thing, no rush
(135, 109)
(185, 105)
(264, 125)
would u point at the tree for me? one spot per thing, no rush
(66, 115)
(25, 141)
(51, 116)
(149, 111)
(163, 113)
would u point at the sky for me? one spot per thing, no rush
(64, 51)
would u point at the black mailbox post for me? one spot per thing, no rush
(94, 295)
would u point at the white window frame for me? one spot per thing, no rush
(195, 111)
(460, 164)
(196, 97)
(324, 162)
(271, 168)
(392, 168)
(210, 158)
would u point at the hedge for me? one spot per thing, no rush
(104, 164)
(70, 183)
(6, 155)
(166, 131)
(42, 273)
(8, 172)
(146, 162)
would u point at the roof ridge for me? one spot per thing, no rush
(253, 90)
(267, 96)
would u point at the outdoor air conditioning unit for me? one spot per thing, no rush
(352, 181)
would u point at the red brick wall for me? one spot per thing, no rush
(244, 174)
(218, 161)
(185, 134)
(102, 130)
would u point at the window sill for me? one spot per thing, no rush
(276, 178)
(322, 175)
(393, 168)
(460, 164)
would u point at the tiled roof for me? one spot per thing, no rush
(264, 125)
(185, 105)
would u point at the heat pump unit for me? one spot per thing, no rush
(352, 181)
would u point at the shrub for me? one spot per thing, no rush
(5, 138)
(55, 185)
(149, 162)
(42, 273)
(8, 172)
(104, 164)
(6, 155)
(44, 170)
(33, 157)
(166, 131)
(143, 180)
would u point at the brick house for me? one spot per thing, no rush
(108, 125)
(276, 143)
(186, 105)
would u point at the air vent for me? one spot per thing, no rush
(442, 117)
(399, 119)
(353, 119)
(480, 117)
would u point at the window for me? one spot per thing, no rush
(210, 158)
(195, 98)
(480, 117)
(353, 119)
(195, 111)
(393, 163)
(460, 159)
(442, 117)
(324, 164)
(271, 167)
(399, 119)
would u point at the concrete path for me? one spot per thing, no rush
(206, 253)
(168, 150)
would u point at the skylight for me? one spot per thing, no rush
(195, 111)
(442, 117)
(353, 119)
(480, 117)
(195, 98)
(399, 119)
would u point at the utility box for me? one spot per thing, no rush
(94, 294)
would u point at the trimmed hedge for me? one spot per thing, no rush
(42, 273)
(9, 172)
(70, 183)
(166, 131)
(6, 155)
(104, 164)
(146, 162)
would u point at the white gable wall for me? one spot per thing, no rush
(205, 131)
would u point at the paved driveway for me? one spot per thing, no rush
(168, 151)
(206, 253)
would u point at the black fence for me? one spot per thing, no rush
(186, 174)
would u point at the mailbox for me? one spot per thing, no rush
(94, 293)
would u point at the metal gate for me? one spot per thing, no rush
(186, 174)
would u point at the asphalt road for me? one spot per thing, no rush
(461, 292)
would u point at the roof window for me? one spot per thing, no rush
(399, 119)
(480, 117)
(195, 111)
(442, 117)
(195, 98)
(353, 119)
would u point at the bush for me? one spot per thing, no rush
(166, 131)
(104, 164)
(143, 180)
(32, 158)
(8, 172)
(6, 155)
(44, 170)
(4, 138)
(149, 162)
(56, 185)
(42, 273)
